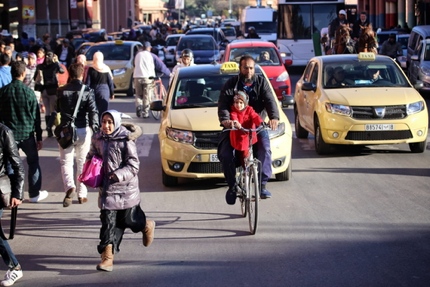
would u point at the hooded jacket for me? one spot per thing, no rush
(119, 154)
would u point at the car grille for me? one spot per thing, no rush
(378, 135)
(206, 167)
(391, 113)
(207, 140)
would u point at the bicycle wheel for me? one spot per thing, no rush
(252, 199)
(240, 190)
(156, 97)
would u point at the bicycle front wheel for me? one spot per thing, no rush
(240, 190)
(252, 199)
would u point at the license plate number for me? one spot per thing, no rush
(213, 158)
(379, 127)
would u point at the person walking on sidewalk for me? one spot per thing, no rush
(87, 123)
(9, 154)
(19, 111)
(119, 196)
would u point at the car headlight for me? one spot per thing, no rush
(338, 109)
(414, 108)
(278, 132)
(181, 136)
(118, 72)
(425, 71)
(283, 77)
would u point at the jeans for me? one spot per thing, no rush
(49, 101)
(29, 147)
(6, 252)
(114, 223)
(82, 147)
(144, 90)
(261, 149)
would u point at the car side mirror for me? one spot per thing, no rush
(419, 85)
(414, 58)
(307, 86)
(157, 106)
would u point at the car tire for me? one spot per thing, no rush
(321, 147)
(418, 147)
(130, 91)
(285, 175)
(169, 181)
(301, 133)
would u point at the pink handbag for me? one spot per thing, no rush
(92, 173)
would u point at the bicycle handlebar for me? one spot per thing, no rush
(156, 78)
(258, 129)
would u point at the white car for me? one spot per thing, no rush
(171, 42)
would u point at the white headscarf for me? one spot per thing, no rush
(98, 64)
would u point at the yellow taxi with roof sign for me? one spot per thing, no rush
(190, 128)
(363, 99)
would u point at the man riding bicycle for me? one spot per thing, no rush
(264, 103)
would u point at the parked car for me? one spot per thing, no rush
(171, 43)
(419, 69)
(204, 48)
(216, 33)
(275, 69)
(363, 99)
(418, 34)
(403, 39)
(83, 48)
(119, 56)
(190, 128)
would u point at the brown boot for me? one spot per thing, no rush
(148, 233)
(107, 259)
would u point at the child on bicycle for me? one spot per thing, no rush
(243, 116)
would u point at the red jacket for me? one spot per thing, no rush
(249, 119)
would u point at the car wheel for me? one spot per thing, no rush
(320, 146)
(301, 133)
(418, 147)
(285, 175)
(130, 91)
(168, 180)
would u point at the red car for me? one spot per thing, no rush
(267, 55)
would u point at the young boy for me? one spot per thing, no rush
(243, 116)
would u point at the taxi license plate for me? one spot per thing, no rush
(213, 158)
(379, 127)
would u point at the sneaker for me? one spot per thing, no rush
(265, 194)
(145, 115)
(42, 195)
(230, 196)
(11, 277)
(139, 111)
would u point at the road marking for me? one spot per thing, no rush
(143, 144)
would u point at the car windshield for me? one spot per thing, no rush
(205, 43)
(363, 74)
(172, 41)
(262, 55)
(110, 52)
(196, 92)
(229, 31)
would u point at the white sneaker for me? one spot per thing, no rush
(42, 195)
(11, 277)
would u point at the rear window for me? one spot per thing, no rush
(258, 54)
(172, 41)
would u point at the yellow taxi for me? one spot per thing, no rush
(361, 99)
(190, 128)
(119, 57)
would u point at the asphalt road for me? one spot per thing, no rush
(353, 218)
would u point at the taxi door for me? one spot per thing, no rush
(310, 97)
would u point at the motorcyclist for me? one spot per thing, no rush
(187, 59)
(391, 47)
(252, 33)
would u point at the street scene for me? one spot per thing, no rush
(281, 143)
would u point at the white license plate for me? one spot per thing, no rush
(379, 127)
(213, 158)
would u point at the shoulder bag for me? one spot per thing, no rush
(66, 134)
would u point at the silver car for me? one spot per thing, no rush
(171, 42)
(419, 69)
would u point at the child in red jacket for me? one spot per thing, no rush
(244, 116)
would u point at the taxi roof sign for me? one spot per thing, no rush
(366, 56)
(229, 67)
(119, 42)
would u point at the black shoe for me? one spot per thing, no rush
(265, 194)
(230, 196)
(50, 134)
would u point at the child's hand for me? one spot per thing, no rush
(237, 125)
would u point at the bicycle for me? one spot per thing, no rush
(158, 94)
(248, 181)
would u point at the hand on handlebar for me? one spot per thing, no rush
(273, 124)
